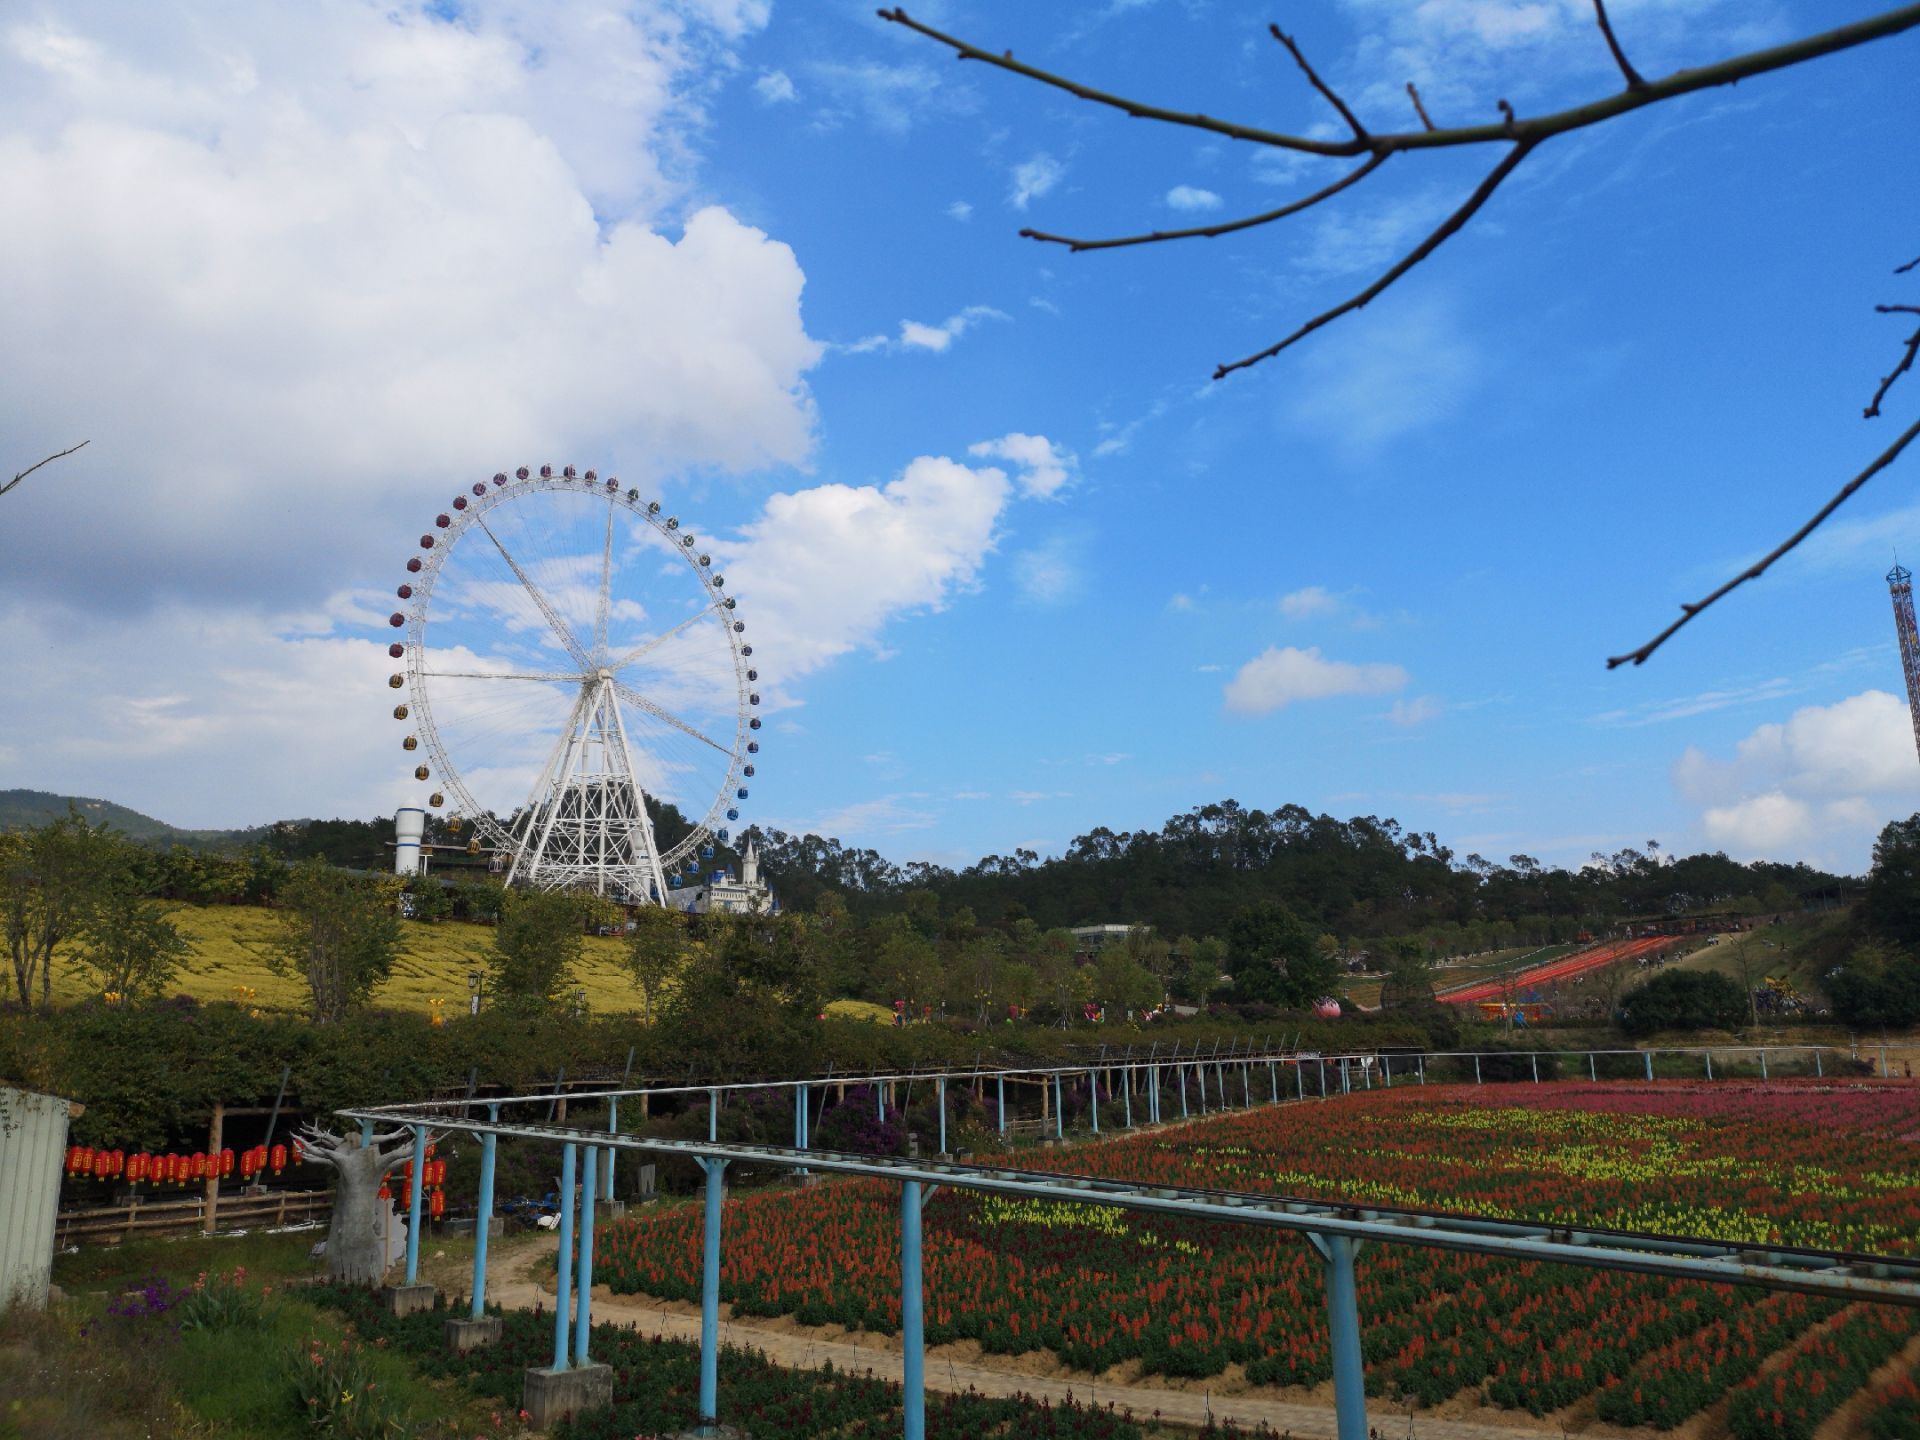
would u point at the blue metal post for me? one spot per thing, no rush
(1817, 1067)
(1093, 1097)
(613, 1128)
(1323, 1078)
(1200, 1084)
(1763, 1062)
(413, 1202)
(1476, 1069)
(1593, 1069)
(940, 1086)
(1000, 1102)
(913, 1383)
(1709, 1064)
(1387, 1061)
(1273, 1080)
(1346, 1079)
(1246, 1083)
(583, 1287)
(563, 1263)
(713, 1115)
(1535, 1057)
(1183, 1090)
(1300, 1079)
(1059, 1108)
(710, 1296)
(1343, 1325)
(1126, 1097)
(1423, 1069)
(1649, 1058)
(483, 1217)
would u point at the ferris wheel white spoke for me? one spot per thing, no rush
(640, 702)
(606, 576)
(559, 626)
(665, 635)
(570, 676)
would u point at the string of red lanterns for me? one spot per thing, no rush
(176, 1168)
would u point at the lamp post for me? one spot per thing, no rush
(473, 992)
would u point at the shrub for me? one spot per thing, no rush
(334, 1387)
(1683, 1000)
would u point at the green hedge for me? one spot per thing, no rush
(149, 1076)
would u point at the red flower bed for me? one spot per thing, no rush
(1097, 1287)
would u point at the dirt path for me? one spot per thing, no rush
(793, 1347)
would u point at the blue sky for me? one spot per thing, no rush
(1019, 566)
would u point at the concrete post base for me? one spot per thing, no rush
(465, 1335)
(406, 1300)
(613, 1209)
(550, 1395)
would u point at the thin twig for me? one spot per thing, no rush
(1226, 227)
(1903, 269)
(1635, 81)
(1359, 130)
(1481, 194)
(1906, 360)
(1758, 568)
(59, 455)
(1413, 94)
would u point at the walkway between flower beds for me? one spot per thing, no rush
(799, 1351)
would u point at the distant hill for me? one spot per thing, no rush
(20, 808)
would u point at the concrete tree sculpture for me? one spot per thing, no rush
(355, 1252)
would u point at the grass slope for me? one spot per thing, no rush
(231, 942)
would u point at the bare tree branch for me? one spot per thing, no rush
(1635, 81)
(57, 455)
(1359, 130)
(1681, 82)
(1906, 360)
(1903, 269)
(1226, 227)
(1522, 134)
(1413, 94)
(1482, 193)
(1758, 568)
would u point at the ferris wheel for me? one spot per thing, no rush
(569, 655)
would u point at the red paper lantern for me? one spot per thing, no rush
(226, 1161)
(246, 1164)
(102, 1164)
(170, 1168)
(437, 1204)
(299, 1151)
(119, 1162)
(81, 1159)
(198, 1165)
(384, 1193)
(278, 1158)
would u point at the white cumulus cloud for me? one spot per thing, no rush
(324, 260)
(1192, 198)
(775, 87)
(824, 569)
(1817, 786)
(1280, 675)
(1045, 468)
(1034, 178)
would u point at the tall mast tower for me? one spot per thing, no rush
(1900, 582)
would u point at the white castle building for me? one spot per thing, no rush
(724, 895)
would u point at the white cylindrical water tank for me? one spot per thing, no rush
(409, 824)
